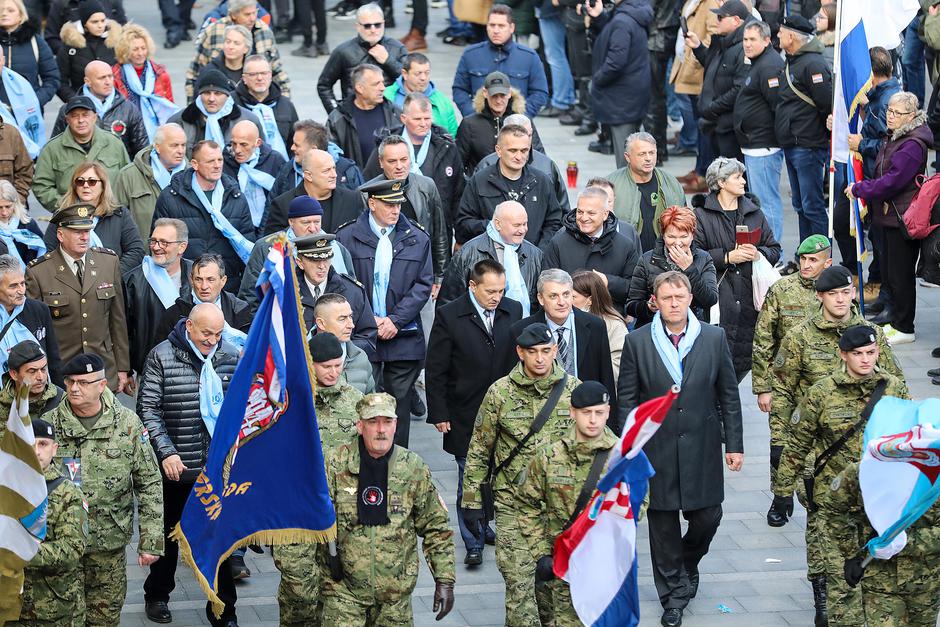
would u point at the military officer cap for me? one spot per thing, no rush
(375, 405)
(42, 429)
(856, 337)
(813, 244)
(799, 24)
(83, 363)
(303, 206)
(79, 102)
(589, 394)
(324, 347)
(391, 191)
(317, 246)
(833, 278)
(23, 353)
(80, 216)
(535, 334)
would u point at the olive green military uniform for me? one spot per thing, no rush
(547, 497)
(299, 591)
(36, 407)
(88, 316)
(903, 591)
(505, 415)
(380, 563)
(53, 593)
(116, 465)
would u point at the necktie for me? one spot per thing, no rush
(564, 351)
(676, 339)
(488, 317)
(316, 292)
(80, 272)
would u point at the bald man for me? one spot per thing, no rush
(115, 113)
(255, 165)
(340, 205)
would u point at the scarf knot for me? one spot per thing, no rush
(516, 288)
(213, 126)
(671, 355)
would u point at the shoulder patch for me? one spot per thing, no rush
(344, 225)
(836, 483)
(441, 501)
(101, 249)
(39, 260)
(795, 416)
(419, 225)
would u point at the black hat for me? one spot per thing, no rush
(317, 246)
(798, 23)
(589, 394)
(23, 353)
(833, 278)
(497, 83)
(391, 191)
(732, 8)
(212, 79)
(80, 217)
(535, 334)
(83, 363)
(79, 102)
(87, 8)
(856, 337)
(324, 347)
(43, 429)
(303, 206)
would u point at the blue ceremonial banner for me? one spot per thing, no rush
(264, 480)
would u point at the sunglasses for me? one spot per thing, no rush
(372, 25)
(89, 182)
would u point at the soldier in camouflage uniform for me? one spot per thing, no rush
(554, 479)
(106, 451)
(903, 591)
(52, 592)
(335, 401)
(508, 410)
(385, 499)
(828, 410)
(27, 362)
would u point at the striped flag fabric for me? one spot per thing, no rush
(596, 555)
(22, 504)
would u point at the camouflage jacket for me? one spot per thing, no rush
(551, 485)
(53, 592)
(789, 301)
(842, 516)
(810, 351)
(115, 464)
(381, 562)
(336, 413)
(508, 409)
(829, 408)
(36, 408)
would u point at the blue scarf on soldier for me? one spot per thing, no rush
(255, 184)
(213, 207)
(11, 234)
(213, 128)
(24, 111)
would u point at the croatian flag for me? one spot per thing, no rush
(899, 469)
(596, 555)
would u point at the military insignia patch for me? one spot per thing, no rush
(795, 417)
(82, 212)
(836, 483)
(373, 495)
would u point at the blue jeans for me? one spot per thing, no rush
(457, 28)
(763, 176)
(471, 540)
(913, 64)
(688, 136)
(672, 102)
(806, 169)
(553, 38)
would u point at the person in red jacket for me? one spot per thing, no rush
(134, 53)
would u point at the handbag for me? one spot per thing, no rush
(473, 11)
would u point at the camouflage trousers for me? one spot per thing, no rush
(562, 609)
(815, 548)
(342, 607)
(910, 606)
(105, 587)
(526, 605)
(298, 595)
(844, 603)
(44, 607)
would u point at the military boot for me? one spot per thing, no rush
(819, 600)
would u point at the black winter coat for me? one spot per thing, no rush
(343, 131)
(168, 401)
(754, 107)
(715, 233)
(80, 49)
(61, 12)
(348, 55)
(236, 312)
(346, 207)
(481, 247)
(41, 70)
(613, 253)
(194, 124)
(123, 119)
(269, 162)
(347, 176)
(118, 232)
(477, 133)
(284, 112)
(795, 122)
(725, 72)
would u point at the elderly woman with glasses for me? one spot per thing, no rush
(115, 228)
(727, 216)
(18, 232)
(901, 158)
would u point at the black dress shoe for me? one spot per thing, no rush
(172, 40)
(282, 37)
(571, 117)
(603, 148)
(239, 568)
(552, 112)
(693, 581)
(190, 25)
(883, 318)
(158, 612)
(671, 618)
(587, 128)
(474, 557)
(875, 307)
(935, 353)
(933, 372)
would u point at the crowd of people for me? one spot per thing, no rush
(436, 247)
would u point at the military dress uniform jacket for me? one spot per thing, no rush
(336, 413)
(88, 317)
(365, 333)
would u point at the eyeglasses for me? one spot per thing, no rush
(372, 25)
(162, 243)
(897, 113)
(69, 381)
(89, 182)
(256, 74)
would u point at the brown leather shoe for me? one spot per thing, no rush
(414, 41)
(685, 178)
(695, 186)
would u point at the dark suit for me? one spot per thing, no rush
(364, 334)
(686, 451)
(345, 207)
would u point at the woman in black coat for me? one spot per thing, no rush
(27, 54)
(78, 49)
(15, 217)
(719, 214)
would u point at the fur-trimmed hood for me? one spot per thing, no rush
(516, 102)
(75, 38)
(904, 129)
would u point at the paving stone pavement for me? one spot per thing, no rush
(753, 575)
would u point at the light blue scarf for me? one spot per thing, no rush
(16, 334)
(298, 172)
(160, 174)
(210, 388)
(159, 279)
(417, 160)
(214, 208)
(213, 129)
(383, 267)
(230, 334)
(255, 184)
(515, 286)
(668, 354)
(272, 136)
(26, 113)
(12, 235)
(155, 110)
(100, 107)
(338, 263)
(93, 239)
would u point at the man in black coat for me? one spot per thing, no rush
(307, 135)
(254, 164)
(258, 93)
(465, 356)
(676, 350)
(32, 320)
(583, 347)
(510, 179)
(359, 119)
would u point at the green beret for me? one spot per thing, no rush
(813, 244)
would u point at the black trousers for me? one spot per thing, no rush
(725, 144)
(302, 13)
(419, 19)
(162, 578)
(175, 14)
(674, 555)
(655, 122)
(398, 379)
(898, 264)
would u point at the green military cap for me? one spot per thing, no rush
(391, 191)
(375, 405)
(813, 244)
(80, 217)
(317, 246)
(856, 337)
(833, 278)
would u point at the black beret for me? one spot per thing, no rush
(856, 337)
(535, 334)
(833, 278)
(324, 347)
(43, 429)
(83, 363)
(589, 394)
(23, 353)
(798, 23)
